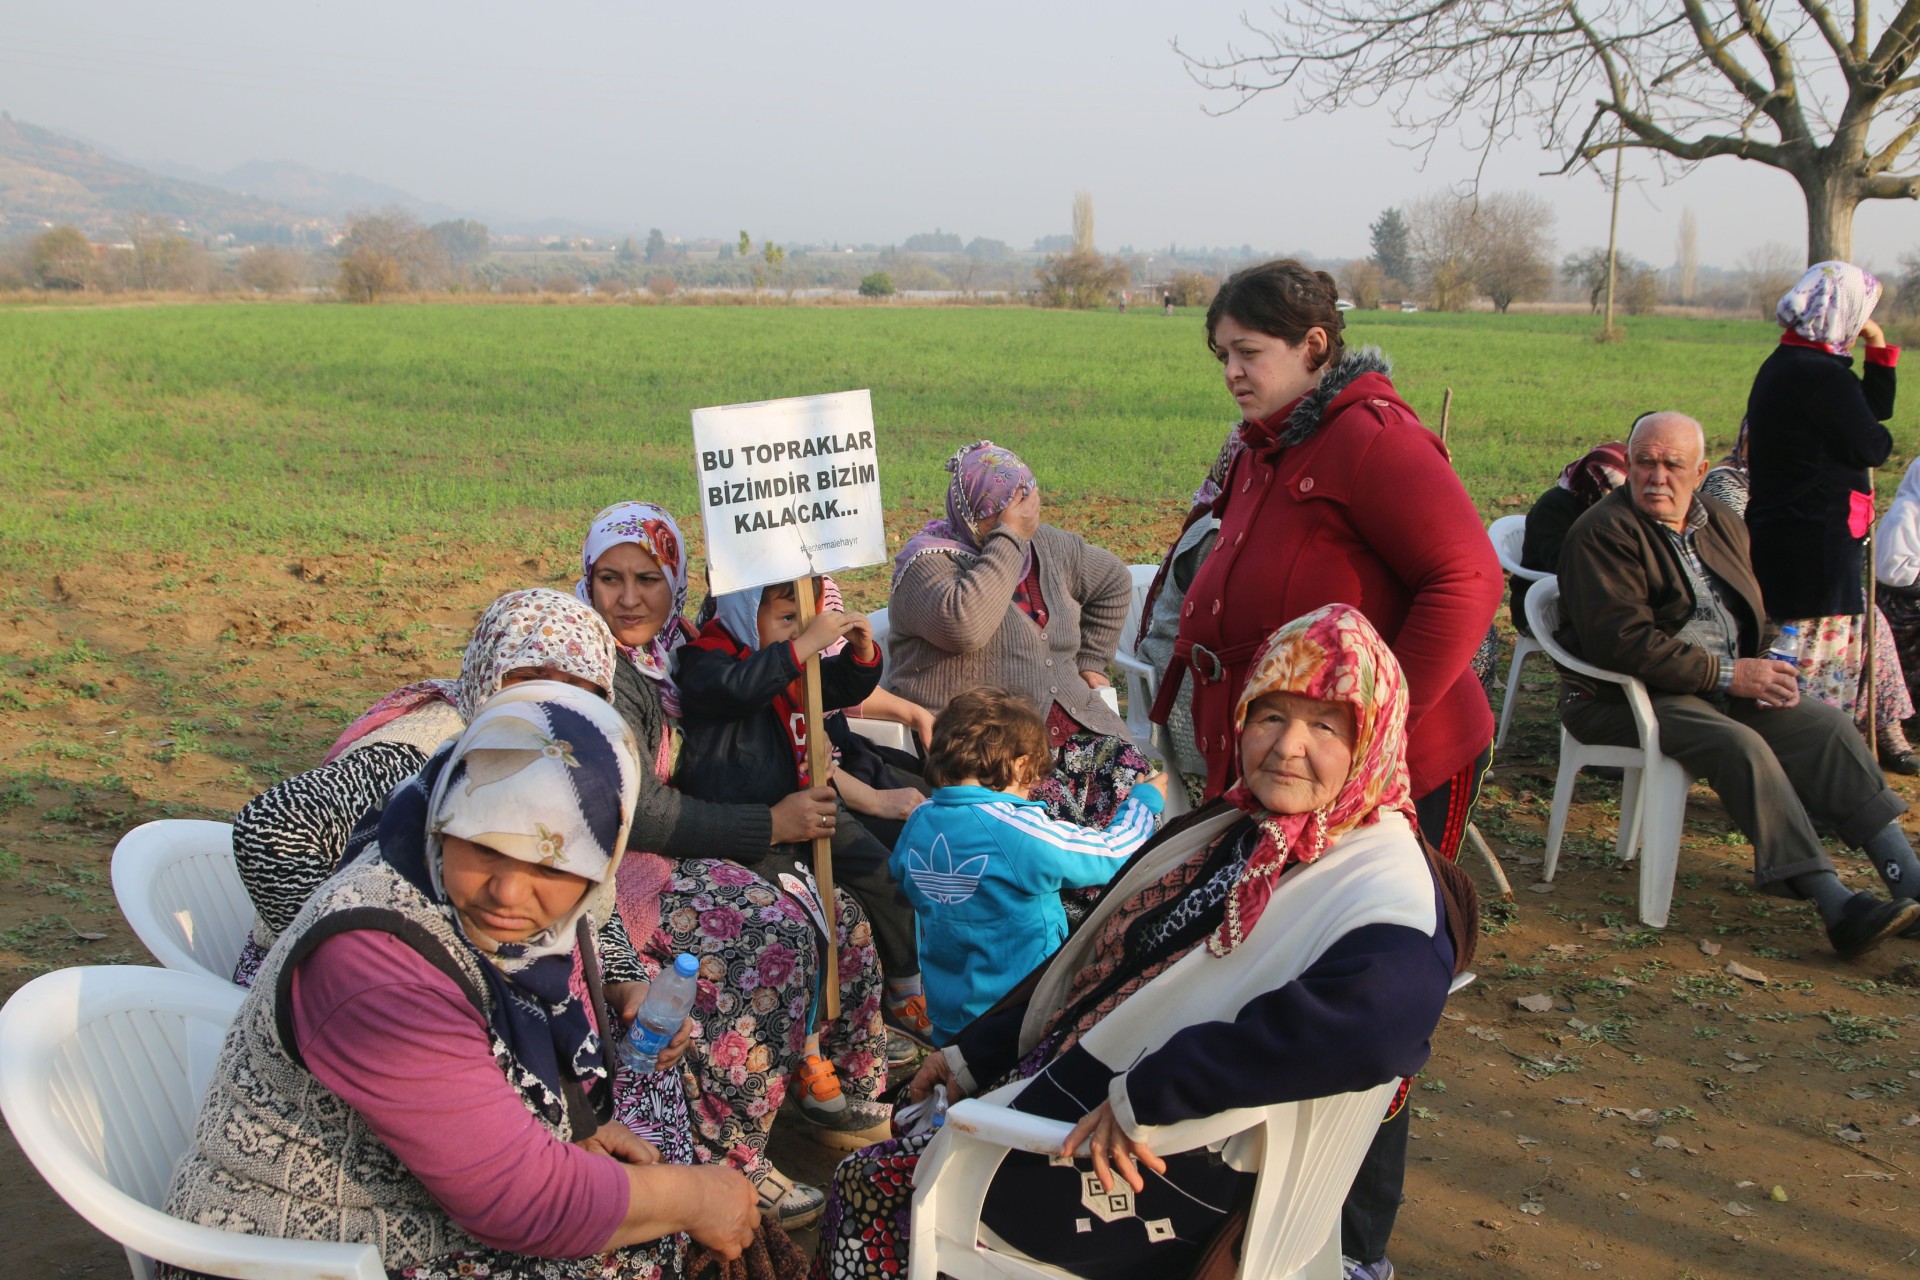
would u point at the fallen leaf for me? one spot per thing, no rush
(1708, 948)
(1601, 935)
(1533, 1207)
(1745, 1068)
(1451, 1016)
(1545, 886)
(1911, 1121)
(1848, 1133)
(1746, 974)
(1576, 1024)
(1743, 1183)
(1737, 1209)
(1493, 1224)
(1535, 1003)
(1644, 1115)
(1481, 1033)
(1633, 1173)
(1667, 1142)
(1778, 1194)
(1737, 1056)
(1565, 948)
(1525, 1141)
(1859, 1095)
(1528, 860)
(1573, 1102)
(1589, 1265)
(1619, 981)
(88, 937)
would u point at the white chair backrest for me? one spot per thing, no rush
(1508, 533)
(177, 886)
(102, 1070)
(1143, 575)
(878, 620)
(1546, 617)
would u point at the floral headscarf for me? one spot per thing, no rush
(538, 627)
(547, 774)
(654, 531)
(1829, 304)
(986, 480)
(1596, 473)
(1334, 655)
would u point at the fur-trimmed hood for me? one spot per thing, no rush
(1305, 419)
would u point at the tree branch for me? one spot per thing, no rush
(1843, 51)
(1894, 54)
(1887, 156)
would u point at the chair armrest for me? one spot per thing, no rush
(1005, 1127)
(1134, 666)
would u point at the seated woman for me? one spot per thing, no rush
(1290, 941)
(443, 955)
(1582, 482)
(758, 958)
(291, 837)
(991, 596)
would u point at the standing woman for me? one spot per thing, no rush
(1340, 496)
(756, 943)
(1815, 432)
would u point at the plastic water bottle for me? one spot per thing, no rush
(1786, 646)
(668, 1002)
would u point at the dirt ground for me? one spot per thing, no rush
(1654, 1113)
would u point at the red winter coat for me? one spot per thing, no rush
(1343, 497)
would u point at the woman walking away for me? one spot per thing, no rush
(443, 955)
(1290, 941)
(1815, 432)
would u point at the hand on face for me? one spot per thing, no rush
(1872, 334)
(1296, 752)
(1021, 517)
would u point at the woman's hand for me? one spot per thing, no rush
(1872, 334)
(623, 1144)
(935, 1071)
(626, 999)
(1021, 517)
(726, 1209)
(803, 815)
(676, 1048)
(860, 636)
(920, 721)
(1096, 679)
(1111, 1149)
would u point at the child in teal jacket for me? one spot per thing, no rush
(983, 865)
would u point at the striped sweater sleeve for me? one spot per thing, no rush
(1060, 855)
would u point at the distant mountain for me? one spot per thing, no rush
(301, 186)
(47, 178)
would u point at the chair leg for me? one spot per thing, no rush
(1562, 798)
(1521, 648)
(1632, 811)
(1666, 807)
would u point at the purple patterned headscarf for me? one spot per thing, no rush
(1829, 304)
(986, 480)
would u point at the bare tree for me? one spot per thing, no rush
(1765, 274)
(1512, 239)
(1441, 245)
(1830, 98)
(1687, 257)
(408, 254)
(272, 269)
(1364, 282)
(1083, 222)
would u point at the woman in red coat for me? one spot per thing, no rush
(1338, 495)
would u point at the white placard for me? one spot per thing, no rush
(788, 488)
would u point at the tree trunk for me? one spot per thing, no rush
(1831, 199)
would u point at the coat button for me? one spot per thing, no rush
(1216, 608)
(1246, 484)
(1189, 609)
(1238, 538)
(1306, 485)
(1053, 688)
(1049, 661)
(1043, 635)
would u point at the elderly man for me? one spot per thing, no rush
(1655, 583)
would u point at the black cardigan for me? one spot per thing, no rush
(734, 746)
(1546, 530)
(1813, 434)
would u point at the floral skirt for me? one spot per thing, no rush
(1831, 651)
(758, 964)
(1092, 774)
(1901, 611)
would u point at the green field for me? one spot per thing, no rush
(313, 429)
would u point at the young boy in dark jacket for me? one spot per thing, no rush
(743, 716)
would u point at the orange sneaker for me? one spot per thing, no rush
(909, 1017)
(834, 1121)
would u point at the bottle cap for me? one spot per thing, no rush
(1789, 630)
(686, 964)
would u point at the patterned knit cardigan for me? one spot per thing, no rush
(954, 625)
(277, 1153)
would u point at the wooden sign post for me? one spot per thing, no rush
(790, 489)
(819, 764)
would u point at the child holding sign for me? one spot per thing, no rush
(744, 720)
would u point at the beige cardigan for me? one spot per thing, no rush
(953, 624)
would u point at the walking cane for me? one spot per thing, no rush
(1869, 695)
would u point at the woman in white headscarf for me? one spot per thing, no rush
(443, 956)
(1815, 432)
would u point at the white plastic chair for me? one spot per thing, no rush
(177, 886)
(1507, 533)
(1139, 678)
(884, 732)
(1653, 796)
(101, 1075)
(1308, 1154)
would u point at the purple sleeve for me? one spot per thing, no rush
(396, 1039)
(1358, 1016)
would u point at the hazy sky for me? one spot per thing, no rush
(852, 122)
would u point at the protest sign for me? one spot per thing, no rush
(788, 488)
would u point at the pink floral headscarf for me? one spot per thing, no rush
(1829, 304)
(654, 531)
(1334, 655)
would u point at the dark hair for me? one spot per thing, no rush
(1283, 298)
(783, 591)
(992, 735)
